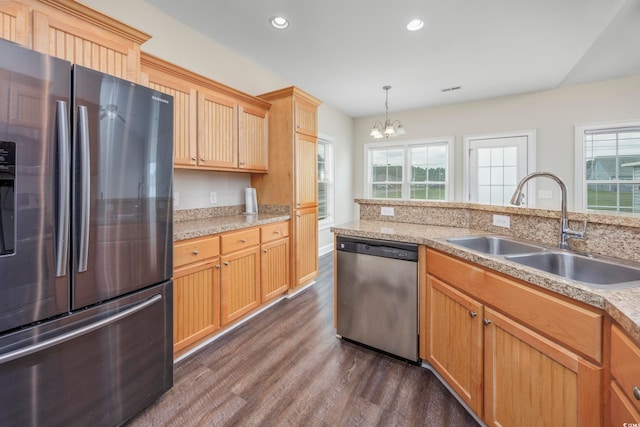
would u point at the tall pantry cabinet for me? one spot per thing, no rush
(292, 178)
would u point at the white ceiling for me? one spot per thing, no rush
(344, 51)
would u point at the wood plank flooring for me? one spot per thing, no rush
(285, 367)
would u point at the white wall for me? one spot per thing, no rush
(183, 46)
(333, 123)
(553, 113)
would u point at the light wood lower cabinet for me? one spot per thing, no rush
(306, 245)
(625, 379)
(196, 290)
(486, 349)
(454, 340)
(240, 283)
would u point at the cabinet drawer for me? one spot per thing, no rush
(621, 412)
(454, 271)
(625, 364)
(269, 233)
(194, 250)
(237, 240)
(577, 328)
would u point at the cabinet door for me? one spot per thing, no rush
(87, 41)
(196, 302)
(621, 411)
(274, 269)
(14, 22)
(217, 131)
(530, 380)
(306, 118)
(454, 340)
(306, 171)
(306, 246)
(252, 139)
(184, 117)
(240, 285)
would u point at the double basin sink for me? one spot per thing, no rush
(595, 272)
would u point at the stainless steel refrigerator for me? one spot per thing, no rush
(86, 230)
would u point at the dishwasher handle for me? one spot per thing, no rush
(380, 248)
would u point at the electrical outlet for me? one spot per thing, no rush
(501, 221)
(387, 211)
(176, 199)
(213, 198)
(545, 194)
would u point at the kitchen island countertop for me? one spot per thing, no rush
(623, 305)
(189, 229)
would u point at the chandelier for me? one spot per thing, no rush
(389, 127)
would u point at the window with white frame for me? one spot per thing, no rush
(608, 167)
(417, 170)
(496, 163)
(325, 181)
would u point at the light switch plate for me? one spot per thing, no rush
(176, 199)
(501, 221)
(387, 211)
(213, 198)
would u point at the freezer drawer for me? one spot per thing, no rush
(98, 367)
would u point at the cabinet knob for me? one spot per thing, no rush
(218, 266)
(193, 158)
(636, 392)
(226, 263)
(195, 252)
(264, 251)
(241, 163)
(276, 232)
(472, 314)
(486, 322)
(203, 159)
(243, 241)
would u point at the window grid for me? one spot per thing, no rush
(612, 169)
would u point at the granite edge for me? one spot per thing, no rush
(202, 231)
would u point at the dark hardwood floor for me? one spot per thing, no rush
(285, 367)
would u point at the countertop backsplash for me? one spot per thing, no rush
(608, 235)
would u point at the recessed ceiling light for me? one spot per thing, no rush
(279, 22)
(415, 25)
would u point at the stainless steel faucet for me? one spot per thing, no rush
(566, 232)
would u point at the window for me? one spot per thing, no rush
(419, 170)
(496, 163)
(325, 181)
(608, 168)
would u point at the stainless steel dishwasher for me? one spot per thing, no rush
(377, 295)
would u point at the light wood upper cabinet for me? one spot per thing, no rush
(253, 137)
(83, 36)
(217, 131)
(167, 78)
(215, 127)
(14, 22)
(306, 117)
(306, 171)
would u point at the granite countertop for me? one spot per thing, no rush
(623, 305)
(190, 229)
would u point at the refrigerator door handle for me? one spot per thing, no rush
(62, 239)
(85, 187)
(23, 352)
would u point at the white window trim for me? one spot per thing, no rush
(580, 202)
(448, 140)
(330, 221)
(531, 158)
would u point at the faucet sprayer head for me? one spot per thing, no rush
(517, 197)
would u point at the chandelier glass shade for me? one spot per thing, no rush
(389, 127)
